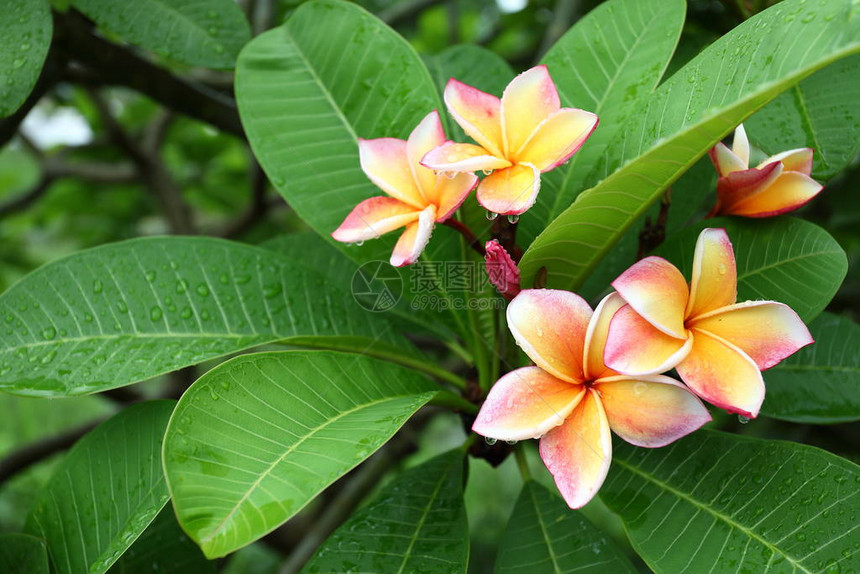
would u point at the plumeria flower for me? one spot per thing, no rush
(571, 400)
(522, 135)
(779, 184)
(719, 347)
(502, 270)
(417, 198)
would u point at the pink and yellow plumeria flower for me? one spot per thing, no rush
(571, 400)
(417, 198)
(718, 346)
(779, 184)
(525, 133)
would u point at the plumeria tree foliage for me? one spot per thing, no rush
(620, 243)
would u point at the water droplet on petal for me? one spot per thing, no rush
(513, 218)
(487, 171)
(490, 441)
(743, 420)
(492, 215)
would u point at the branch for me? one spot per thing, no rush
(118, 66)
(257, 208)
(26, 456)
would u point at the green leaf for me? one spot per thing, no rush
(308, 89)
(258, 437)
(163, 547)
(779, 259)
(736, 504)
(687, 115)
(819, 384)
(23, 554)
(821, 112)
(607, 63)
(206, 33)
(129, 311)
(417, 523)
(105, 492)
(25, 36)
(544, 535)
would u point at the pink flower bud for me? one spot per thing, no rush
(502, 271)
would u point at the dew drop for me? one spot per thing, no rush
(359, 243)
(743, 420)
(490, 441)
(492, 215)
(49, 333)
(155, 313)
(202, 290)
(511, 442)
(98, 287)
(513, 218)
(486, 171)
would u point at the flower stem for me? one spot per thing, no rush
(467, 233)
(451, 400)
(523, 463)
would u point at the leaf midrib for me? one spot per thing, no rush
(220, 526)
(543, 529)
(710, 510)
(425, 511)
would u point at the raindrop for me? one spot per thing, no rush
(511, 442)
(487, 171)
(49, 333)
(513, 218)
(490, 441)
(359, 243)
(155, 313)
(202, 290)
(450, 174)
(722, 269)
(743, 420)
(150, 276)
(97, 287)
(492, 215)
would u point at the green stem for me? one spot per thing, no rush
(380, 352)
(523, 463)
(445, 398)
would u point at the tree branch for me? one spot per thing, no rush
(118, 66)
(22, 458)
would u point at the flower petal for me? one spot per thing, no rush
(526, 403)
(723, 375)
(635, 347)
(478, 113)
(741, 144)
(528, 100)
(557, 138)
(766, 331)
(374, 217)
(550, 327)
(386, 164)
(450, 193)
(725, 160)
(595, 337)
(714, 281)
(790, 191)
(510, 191)
(414, 239)
(657, 291)
(427, 135)
(793, 160)
(739, 186)
(578, 452)
(452, 156)
(650, 411)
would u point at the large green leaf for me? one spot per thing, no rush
(724, 503)
(163, 547)
(820, 383)
(25, 36)
(206, 33)
(610, 60)
(105, 492)
(821, 112)
(417, 523)
(310, 88)
(544, 535)
(686, 116)
(781, 259)
(22, 554)
(129, 311)
(258, 437)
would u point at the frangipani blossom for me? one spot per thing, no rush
(520, 136)
(571, 400)
(417, 198)
(719, 347)
(779, 184)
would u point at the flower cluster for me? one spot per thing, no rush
(602, 371)
(426, 178)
